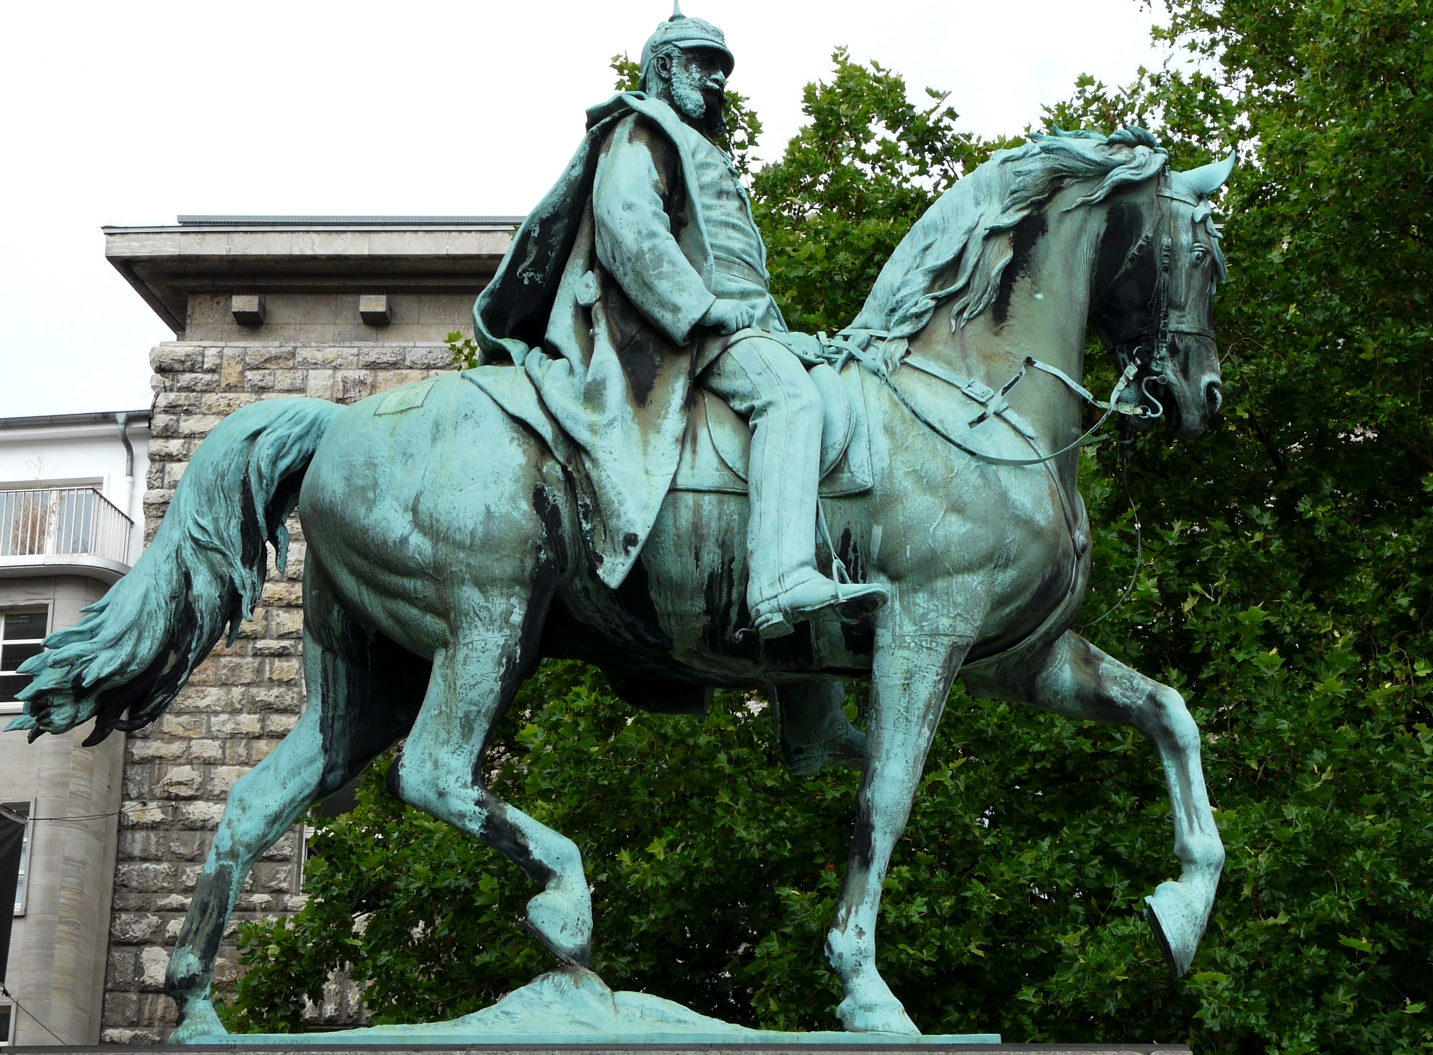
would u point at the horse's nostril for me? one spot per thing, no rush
(1213, 397)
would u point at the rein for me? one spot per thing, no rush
(985, 396)
(1155, 334)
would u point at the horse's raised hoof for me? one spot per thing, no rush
(201, 1025)
(562, 925)
(1177, 924)
(873, 1008)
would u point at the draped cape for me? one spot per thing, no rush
(563, 348)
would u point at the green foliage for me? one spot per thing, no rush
(1285, 591)
(1288, 590)
(849, 186)
(464, 349)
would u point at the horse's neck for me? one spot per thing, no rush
(1041, 312)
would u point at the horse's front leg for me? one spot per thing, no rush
(909, 684)
(1078, 680)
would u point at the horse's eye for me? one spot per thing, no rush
(1200, 253)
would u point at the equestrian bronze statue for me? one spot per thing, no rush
(648, 472)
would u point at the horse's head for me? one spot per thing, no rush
(1159, 265)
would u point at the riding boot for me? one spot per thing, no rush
(763, 379)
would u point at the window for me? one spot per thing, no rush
(20, 811)
(21, 636)
(7, 1024)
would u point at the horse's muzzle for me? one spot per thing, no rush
(1190, 387)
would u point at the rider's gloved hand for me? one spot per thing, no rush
(728, 316)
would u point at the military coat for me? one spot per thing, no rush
(603, 317)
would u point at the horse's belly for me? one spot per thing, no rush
(1041, 579)
(695, 562)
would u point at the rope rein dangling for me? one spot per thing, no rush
(1126, 447)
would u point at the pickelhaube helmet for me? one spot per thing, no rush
(687, 32)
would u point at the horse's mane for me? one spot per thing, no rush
(962, 230)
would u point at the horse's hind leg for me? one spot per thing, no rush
(475, 678)
(363, 693)
(1078, 680)
(815, 731)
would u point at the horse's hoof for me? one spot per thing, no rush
(1178, 924)
(563, 925)
(873, 1008)
(201, 1025)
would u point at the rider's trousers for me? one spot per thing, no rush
(761, 379)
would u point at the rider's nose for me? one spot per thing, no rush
(1213, 396)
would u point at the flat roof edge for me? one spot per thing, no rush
(194, 224)
(113, 231)
(265, 220)
(91, 417)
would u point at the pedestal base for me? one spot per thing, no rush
(572, 1007)
(571, 1011)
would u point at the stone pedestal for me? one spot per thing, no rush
(571, 1010)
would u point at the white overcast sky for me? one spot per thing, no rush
(133, 112)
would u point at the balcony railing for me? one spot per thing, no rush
(62, 520)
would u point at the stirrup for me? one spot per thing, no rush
(852, 601)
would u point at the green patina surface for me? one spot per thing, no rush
(461, 529)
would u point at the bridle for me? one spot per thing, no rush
(1147, 346)
(1143, 350)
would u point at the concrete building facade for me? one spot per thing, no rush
(261, 307)
(69, 506)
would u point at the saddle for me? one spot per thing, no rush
(717, 447)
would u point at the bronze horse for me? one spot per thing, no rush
(445, 558)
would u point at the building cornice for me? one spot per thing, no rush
(306, 254)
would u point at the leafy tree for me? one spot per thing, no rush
(1288, 590)
(850, 184)
(1285, 590)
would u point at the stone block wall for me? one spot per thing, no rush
(243, 699)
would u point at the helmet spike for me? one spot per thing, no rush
(677, 15)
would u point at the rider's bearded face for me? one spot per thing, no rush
(697, 88)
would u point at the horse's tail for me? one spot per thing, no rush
(205, 570)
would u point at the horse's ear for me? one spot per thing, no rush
(1205, 180)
